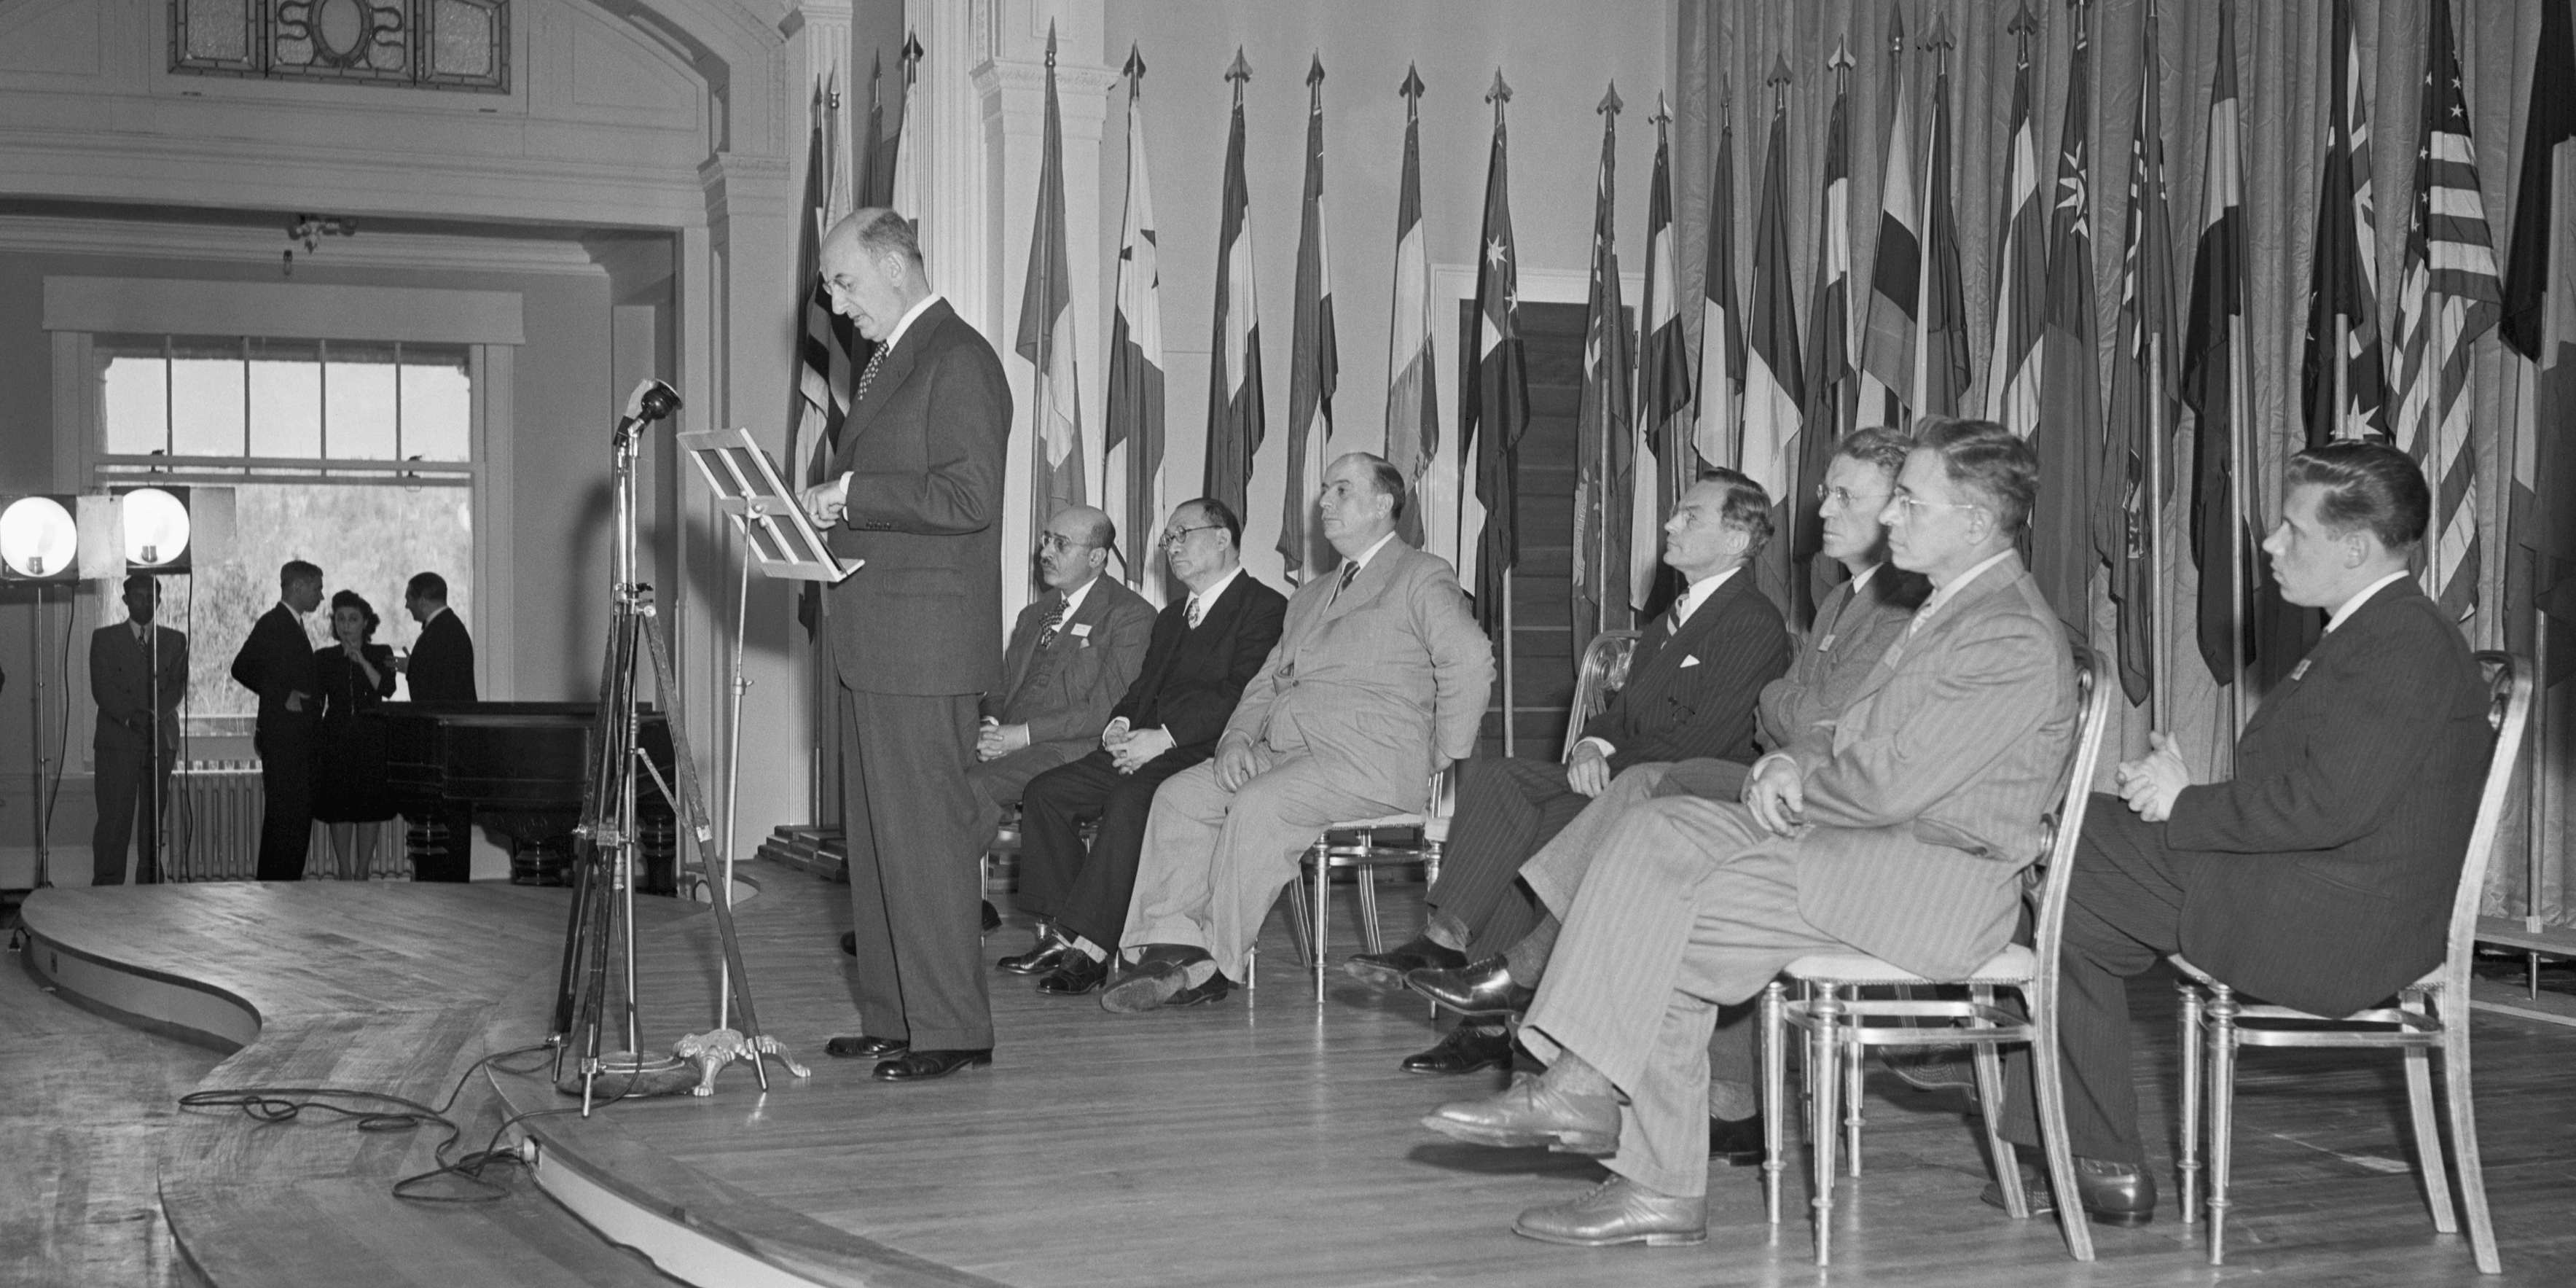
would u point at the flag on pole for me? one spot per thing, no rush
(1412, 391)
(1663, 383)
(1941, 371)
(1314, 366)
(1235, 414)
(1601, 418)
(869, 148)
(1887, 393)
(822, 352)
(2448, 296)
(2213, 369)
(2540, 323)
(2021, 260)
(2070, 388)
(1774, 389)
(1046, 331)
(2143, 398)
(2343, 382)
(902, 190)
(1829, 374)
(1131, 479)
(1721, 324)
(1493, 407)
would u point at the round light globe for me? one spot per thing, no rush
(38, 537)
(156, 527)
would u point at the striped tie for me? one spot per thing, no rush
(1053, 622)
(1349, 571)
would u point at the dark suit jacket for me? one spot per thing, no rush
(924, 454)
(120, 681)
(275, 661)
(1192, 678)
(1063, 693)
(1692, 694)
(442, 661)
(2324, 870)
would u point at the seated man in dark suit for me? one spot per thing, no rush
(1207, 646)
(440, 668)
(1074, 651)
(138, 673)
(2321, 875)
(276, 662)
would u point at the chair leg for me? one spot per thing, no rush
(2222, 1113)
(2454, 1014)
(1855, 1069)
(1432, 852)
(2428, 1135)
(1775, 1087)
(1824, 1048)
(2048, 1091)
(1251, 966)
(1988, 1067)
(1366, 876)
(2187, 1146)
(1301, 932)
(1323, 908)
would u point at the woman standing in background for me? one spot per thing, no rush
(349, 758)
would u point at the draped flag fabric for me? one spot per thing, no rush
(2540, 324)
(1046, 331)
(1494, 406)
(1721, 324)
(2069, 435)
(2343, 382)
(1774, 387)
(2021, 264)
(1132, 474)
(2143, 403)
(1887, 394)
(1828, 370)
(1412, 391)
(2213, 371)
(2448, 296)
(1314, 366)
(1601, 419)
(1941, 370)
(822, 351)
(1663, 385)
(1235, 414)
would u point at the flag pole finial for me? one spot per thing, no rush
(1841, 63)
(1135, 68)
(1240, 71)
(1315, 73)
(1662, 113)
(1611, 103)
(2023, 26)
(911, 53)
(1050, 54)
(1501, 93)
(1412, 88)
(1780, 78)
(1896, 30)
(1939, 37)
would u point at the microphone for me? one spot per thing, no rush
(652, 400)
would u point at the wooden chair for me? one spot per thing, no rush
(1836, 1020)
(2431, 1015)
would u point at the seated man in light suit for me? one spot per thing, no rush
(1902, 831)
(1857, 621)
(1074, 652)
(2321, 875)
(1208, 644)
(1379, 681)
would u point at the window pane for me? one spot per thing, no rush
(438, 404)
(285, 398)
(358, 397)
(135, 403)
(206, 401)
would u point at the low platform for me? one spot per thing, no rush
(1262, 1140)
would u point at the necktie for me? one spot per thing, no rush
(868, 375)
(1349, 571)
(1053, 621)
(1192, 612)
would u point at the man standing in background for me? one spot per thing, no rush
(135, 670)
(440, 668)
(276, 663)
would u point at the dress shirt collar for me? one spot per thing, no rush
(2345, 609)
(142, 630)
(1944, 594)
(895, 336)
(1697, 595)
(1073, 598)
(1363, 557)
(1860, 580)
(1207, 598)
(433, 617)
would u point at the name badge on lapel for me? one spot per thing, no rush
(1689, 661)
(2300, 671)
(1825, 645)
(1081, 630)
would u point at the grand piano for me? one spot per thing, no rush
(517, 769)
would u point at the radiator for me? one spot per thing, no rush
(214, 829)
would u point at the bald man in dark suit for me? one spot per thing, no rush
(276, 662)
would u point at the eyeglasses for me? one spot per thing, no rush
(1845, 498)
(1174, 536)
(1915, 506)
(1058, 544)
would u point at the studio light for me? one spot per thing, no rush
(156, 529)
(39, 541)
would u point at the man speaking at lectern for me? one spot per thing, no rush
(914, 488)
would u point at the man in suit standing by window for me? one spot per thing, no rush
(914, 487)
(276, 662)
(440, 669)
(138, 673)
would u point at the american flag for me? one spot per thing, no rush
(2448, 296)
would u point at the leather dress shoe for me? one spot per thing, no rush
(1385, 971)
(1214, 990)
(1735, 1142)
(849, 943)
(1479, 988)
(866, 1048)
(992, 917)
(1468, 1048)
(921, 1066)
(1619, 1211)
(1074, 976)
(1530, 1113)
(2122, 1194)
(1149, 984)
(1045, 956)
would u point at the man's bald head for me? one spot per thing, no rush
(871, 263)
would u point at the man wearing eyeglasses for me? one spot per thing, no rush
(1901, 830)
(1074, 650)
(1207, 645)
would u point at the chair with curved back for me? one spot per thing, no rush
(2431, 1015)
(1835, 1019)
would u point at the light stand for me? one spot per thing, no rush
(40, 543)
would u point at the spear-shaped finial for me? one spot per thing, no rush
(1239, 73)
(1896, 30)
(1840, 64)
(1501, 93)
(2023, 26)
(876, 74)
(911, 55)
(1050, 57)
(1315, 73)
(1135, 68)
(1939, 39)
(1661, 114)
(1611, 103)
(1725, 101)
(1411, 90)
(1780, 81)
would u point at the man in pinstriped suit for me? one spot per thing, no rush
(1901, 831)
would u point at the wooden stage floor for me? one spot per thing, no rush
(1274, 1142)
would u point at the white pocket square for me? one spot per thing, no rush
(1690, 661)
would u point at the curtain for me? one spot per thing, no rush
(1730, 47)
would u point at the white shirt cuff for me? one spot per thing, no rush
(1600, 744)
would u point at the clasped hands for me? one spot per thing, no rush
(994, 740)
(1776, 793)
(2150, 784)
(1130, 748)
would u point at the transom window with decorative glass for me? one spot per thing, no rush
(426, 44)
